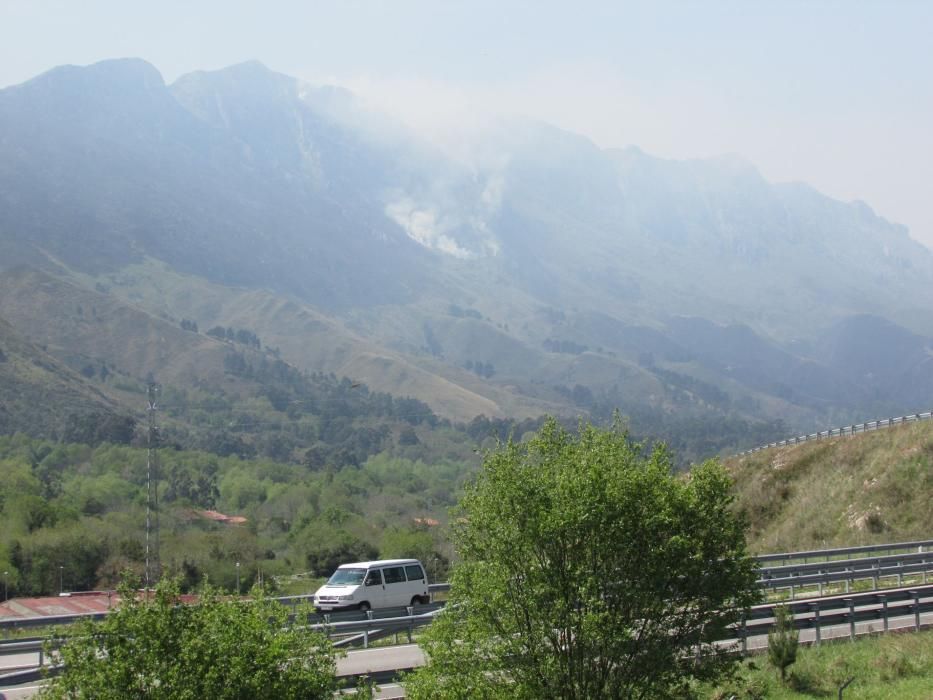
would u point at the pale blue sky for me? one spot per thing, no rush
(837, 94)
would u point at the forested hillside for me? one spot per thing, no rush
(83, 509)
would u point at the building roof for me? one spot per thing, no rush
(68, 604)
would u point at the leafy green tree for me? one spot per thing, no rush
(337, 547)
(403, 543)
(782, 641)
(588, 570)
(159, 648)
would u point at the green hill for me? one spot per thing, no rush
(872, 487)
(38, 394)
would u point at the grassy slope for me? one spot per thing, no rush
(313, 341)
(36, 391)
(83, 326)
(892, 667)
(873, 487)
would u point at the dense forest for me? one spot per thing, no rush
(74, 515)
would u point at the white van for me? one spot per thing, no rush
(367, 585)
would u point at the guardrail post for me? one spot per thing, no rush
(41, 657)
(369, 617)
(327, 624)
(848, 571)
(411, 622)
(900, 574)
(816, 620)
(851, 603)
(821, 585)
(916, 595)
(884, 610)
(743, 636)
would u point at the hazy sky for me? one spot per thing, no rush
(837, 94)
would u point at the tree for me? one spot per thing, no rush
(587, 569)
(782, 641)
(408, 436)
(158, 648)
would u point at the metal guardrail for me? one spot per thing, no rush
(293, 600)
(839, 552)
(811, 614)
(843, 432)
(289, 601)
(370, 629)
(847, 571)
(388, 620)
(18, 623)
(349, 629)
(846, 565)
(839, 610)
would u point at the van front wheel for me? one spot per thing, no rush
(363, 607)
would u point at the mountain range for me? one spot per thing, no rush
(524, 271)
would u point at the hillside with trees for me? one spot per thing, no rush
(83, 509)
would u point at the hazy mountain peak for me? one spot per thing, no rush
(123, 74)
(244, 81)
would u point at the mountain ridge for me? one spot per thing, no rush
(549, 263)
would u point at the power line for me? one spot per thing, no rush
(152, 489)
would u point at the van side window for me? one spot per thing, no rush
(374, 578)
(394, 574)
(414, 572)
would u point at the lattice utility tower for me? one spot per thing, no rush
(153, 565)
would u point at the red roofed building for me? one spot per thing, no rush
(220, 517)
(69, 604)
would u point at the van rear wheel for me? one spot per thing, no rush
(363, 607)
(418, 600)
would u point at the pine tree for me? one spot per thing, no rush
(782, 641)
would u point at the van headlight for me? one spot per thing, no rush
(344, 597)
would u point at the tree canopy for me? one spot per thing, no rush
(587, 569)
(158, 648)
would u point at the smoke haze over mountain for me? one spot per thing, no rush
(835, 94)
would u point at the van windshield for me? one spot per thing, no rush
(347, 577)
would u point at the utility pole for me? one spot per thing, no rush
(152, 490)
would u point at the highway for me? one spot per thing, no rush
(839, 612)
(384, 660)
(355, 663)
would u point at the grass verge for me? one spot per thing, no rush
(889, 667)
